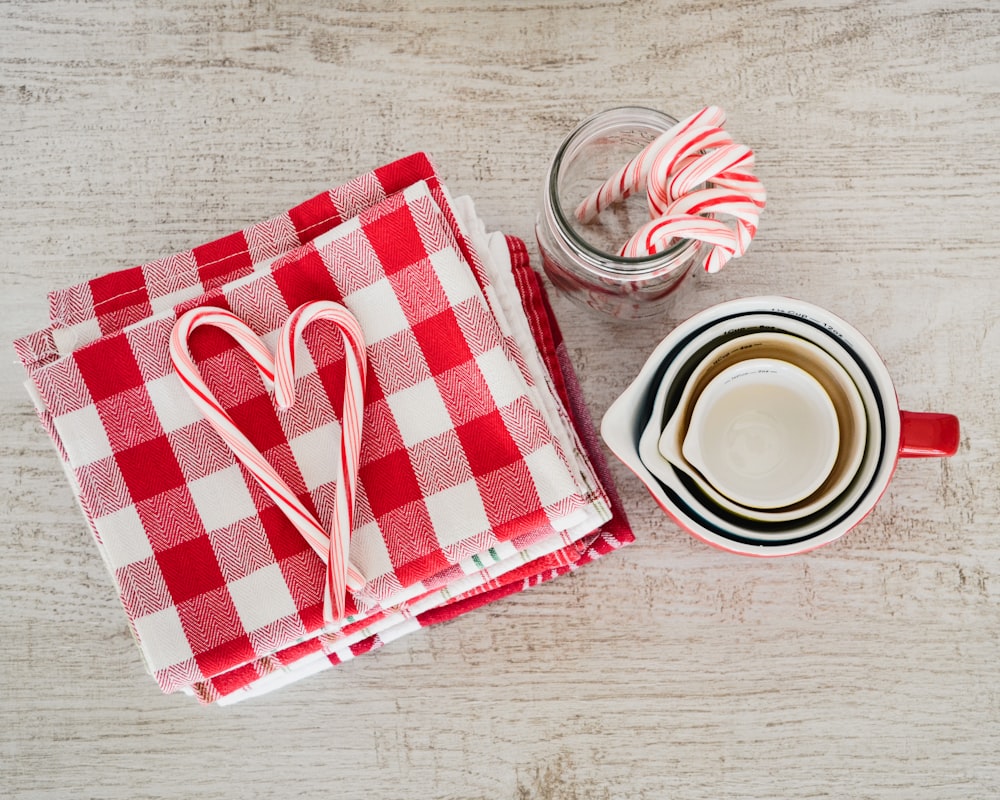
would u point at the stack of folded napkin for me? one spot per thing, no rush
(479, 473)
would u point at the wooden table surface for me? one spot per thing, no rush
(867, 669)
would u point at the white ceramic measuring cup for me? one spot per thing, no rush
(839, 385)
(764, 433)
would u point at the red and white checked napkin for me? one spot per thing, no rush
(474, 480)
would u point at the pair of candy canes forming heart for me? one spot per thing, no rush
(694, 152)
(278, 370)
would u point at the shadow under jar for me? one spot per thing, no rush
(582, 259)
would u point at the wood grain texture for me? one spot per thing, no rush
(865, 670)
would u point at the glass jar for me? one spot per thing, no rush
(582, 259)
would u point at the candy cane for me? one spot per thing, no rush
(231, 324)
(680, 151)
(733, 192)
(697, 170)
(743, 182)
(720, 201)
(241, 446)
(672, 191)
(340, 574)
(653, 236)
(632, 177)
(274, 371)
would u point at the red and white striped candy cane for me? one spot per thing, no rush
(722, 202)
(340, 574)
(272, 483)
(656, 234)
(696, 170)
(231, 324)
(213, 411)
(689, 145)
(632, 177)
(715, 201)
(745, 183)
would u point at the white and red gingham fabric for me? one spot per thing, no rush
(474, 480)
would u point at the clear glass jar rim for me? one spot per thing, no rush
(632, 268)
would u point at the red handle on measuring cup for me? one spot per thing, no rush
(927, 435)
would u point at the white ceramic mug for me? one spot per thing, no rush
(899, 433)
